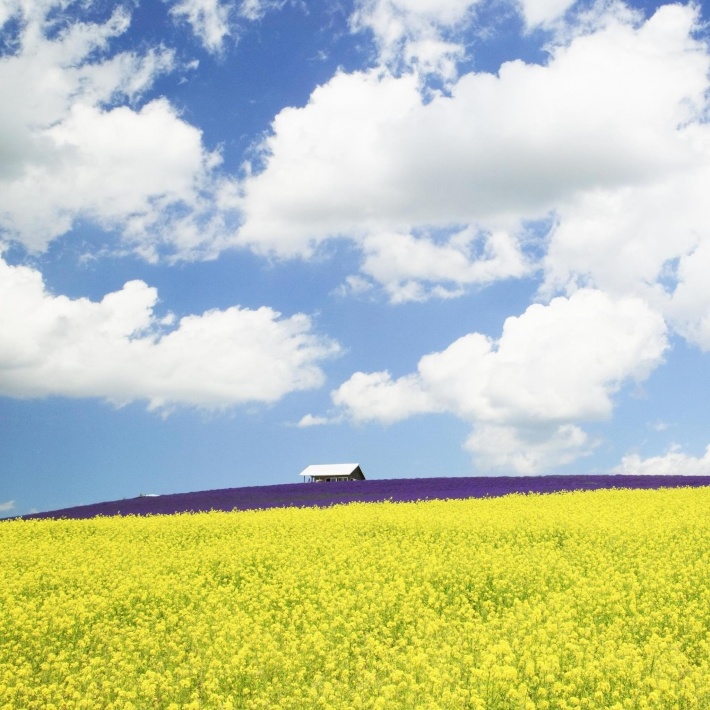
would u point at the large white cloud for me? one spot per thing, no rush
(553, 367)
(673, 463)
(651, 236)
(610, 126)
(108, 165)
(119, 349)
(72, 130)
(371, 159)
(652, 240)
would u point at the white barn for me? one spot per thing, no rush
(333, 472)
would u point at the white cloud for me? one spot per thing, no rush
(652, 240)
(673, 463)
(256, 9)
(326, 164)
(308, 420)
(212, 21)
(553, 366)
(119, 349)
(416, 33)
(7, 505)
(209, 20)
(527, 452)
(70, 131)
(651, 236)
(543, 12)
(615, 112)
(377, 397)
(412, 268)
(688, 307)
(154, 163)
(603, 136)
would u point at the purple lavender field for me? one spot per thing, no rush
(399, 490)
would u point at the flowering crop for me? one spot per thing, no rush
(397, 489)
(575, 600)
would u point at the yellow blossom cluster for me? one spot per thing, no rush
(576, 600)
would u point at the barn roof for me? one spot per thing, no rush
(330, 469)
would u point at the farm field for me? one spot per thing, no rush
(591, 599)
(372, 491)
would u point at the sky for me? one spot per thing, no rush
(435, 237)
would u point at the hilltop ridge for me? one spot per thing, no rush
(394, 489)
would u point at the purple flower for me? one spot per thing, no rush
(396, 489)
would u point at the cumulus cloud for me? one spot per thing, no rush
(121, 350)
(154, 162)
(528, 451)
(435, 189)
(554, 366)
(326, 164)
(688, 306)
(72, 131)
(673, 463)
(376, 396)
(650, 237)
(615, 112)
(413, 268)
(651, 240)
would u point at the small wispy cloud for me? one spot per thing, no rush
(7, 505)
(673, 463)
(309, 420)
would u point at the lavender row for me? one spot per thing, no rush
(398, 490)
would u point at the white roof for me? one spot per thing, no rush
(329, 470)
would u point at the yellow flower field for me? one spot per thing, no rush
(576, 600)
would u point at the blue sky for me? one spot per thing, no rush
(436, 237)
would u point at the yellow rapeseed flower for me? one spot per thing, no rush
(578, 600)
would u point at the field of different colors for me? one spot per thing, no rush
(582, 599)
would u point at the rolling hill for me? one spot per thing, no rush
(398, 490)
